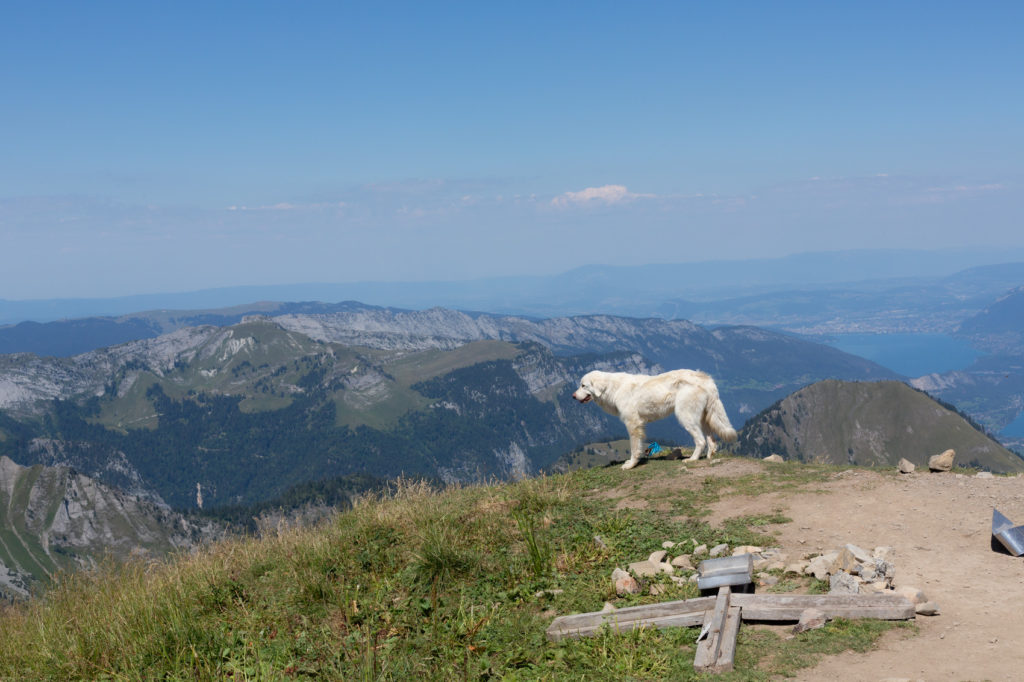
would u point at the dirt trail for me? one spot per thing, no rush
(940, 527)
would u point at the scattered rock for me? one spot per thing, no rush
(905, 466)
(646, 569)
(718, 550)
(657, 557)
(668, 544)
(843, 583)
(929, 608)
(810, 619)
(859, 554)
(984, 474)
(766, 580)
(942, 462)
(700, 549)
(820, 567)
(773, 458)
(548, 593)
(625, 583)
(599, 542)
(747, 549)
(656, 590)
(608, 607)
(682, 561)
(845, 562)
(797, 567)
(912, 594)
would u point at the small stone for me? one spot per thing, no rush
(859, 554)
(599, 542)
(810, 619)
(843, 583)
(608, 607)
(984, 474)
(657, 557)
(766, 580)
(718, 550)
(668, 544)
(846, 562)
(820, 567)
(942, 462)
(773, 458)
(905, 466)
(624, 583)
(912, 594)
(929, 608)
(548, 593)
(747, 549)
(678, 579)
(656, 590)
(797, 567)
(646, 569)
(682, 561)
(700, 549)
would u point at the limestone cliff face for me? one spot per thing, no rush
(53, 518)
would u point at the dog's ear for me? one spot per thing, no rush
(595, 386)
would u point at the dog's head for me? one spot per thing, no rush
(591, 386)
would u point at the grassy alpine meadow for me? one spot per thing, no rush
(423, 584)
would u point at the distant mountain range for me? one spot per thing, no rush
(811, 292)
(870, 424)
(247, 410)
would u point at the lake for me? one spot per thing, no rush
(911, 355)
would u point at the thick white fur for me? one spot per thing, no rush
(638, 399)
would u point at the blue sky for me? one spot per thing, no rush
(149, 147)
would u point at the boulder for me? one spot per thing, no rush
(942, 462)
(905, 466)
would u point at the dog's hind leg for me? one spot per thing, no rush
(637, 434)
(689, 417)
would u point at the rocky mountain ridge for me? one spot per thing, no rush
(53, 518)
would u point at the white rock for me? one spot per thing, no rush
(668, 544)
(912, 594)
(747, 549)
(657, 557)
(718, 550)
(682, 561)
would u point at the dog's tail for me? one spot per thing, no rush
(716, 418)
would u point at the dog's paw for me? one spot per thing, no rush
(693, 458)
(630, 464)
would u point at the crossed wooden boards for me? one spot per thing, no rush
(721, 616)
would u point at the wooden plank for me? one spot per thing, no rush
(680, 613)
(708, 649)
(760, 607)
(788, 607)
(727, 654)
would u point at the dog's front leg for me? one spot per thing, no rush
(637, 434)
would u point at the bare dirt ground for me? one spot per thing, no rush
(940, 526)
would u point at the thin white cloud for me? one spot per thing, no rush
(606, 194)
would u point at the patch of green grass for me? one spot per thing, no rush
(422, 585)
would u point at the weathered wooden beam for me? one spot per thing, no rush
(715, 652)
(757, 607)
(788, 607)
(683, 613)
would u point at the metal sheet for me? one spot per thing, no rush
(1009, 536)
(733, 570)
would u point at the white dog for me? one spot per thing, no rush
(638, 399)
